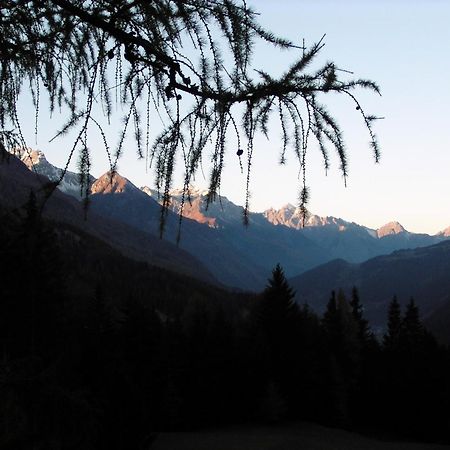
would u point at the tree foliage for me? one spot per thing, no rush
(188, 60)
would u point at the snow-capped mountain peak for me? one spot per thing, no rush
(32, 157)
(292, 217)
(191, 192)
(36, 161)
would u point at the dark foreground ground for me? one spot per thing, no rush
(293, 437)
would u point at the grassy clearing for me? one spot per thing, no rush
(293, 437)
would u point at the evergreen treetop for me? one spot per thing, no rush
(394, 323)
(278, 303)
(365, 335)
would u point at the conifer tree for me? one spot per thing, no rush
(330, 319)
(344, 353)
(277, 322)
(277, 311)
(412, 331)
(133, 53)
(364, 333)
(279, 294)
(394, 325)
(34, 292)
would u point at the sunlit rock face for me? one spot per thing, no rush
(112, 183)
(444, 233)
(193, 204)
(390, 229)
(292, 217)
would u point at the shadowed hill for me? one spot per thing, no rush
(238, 256)
(438, 321)
(16, 183)
(421, 273)
(214, 234)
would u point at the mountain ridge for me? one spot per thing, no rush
(421, 273)
(16, 183)
(239, 256)
(37, 162)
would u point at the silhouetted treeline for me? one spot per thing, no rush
(87, 366)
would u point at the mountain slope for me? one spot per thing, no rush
(438, 321)
(237, 256)
(421, 273)
(16, 183)
(36, 161)
(334, 237)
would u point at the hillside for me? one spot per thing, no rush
(16, 183)
(421, 273)
(238, 256)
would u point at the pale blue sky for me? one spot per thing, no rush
(402, 45)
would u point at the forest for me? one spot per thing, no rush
(106, 352)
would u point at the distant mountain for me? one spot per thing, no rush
(335, 237)
(390, 229)
(291, 217)
(237, 256)
(444, 233)
(422, 273)
(219, 214)
(16, 183)
(348, 240)
(36, 161)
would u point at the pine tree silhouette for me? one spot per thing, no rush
(277, 318)
(411, 331)
(365, 335)
(394, 325)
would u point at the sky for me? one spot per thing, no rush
(404, 46)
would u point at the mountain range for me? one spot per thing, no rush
(237, 256)
(326, 254)
(16, 183)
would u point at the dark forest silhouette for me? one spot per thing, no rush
(83, 368)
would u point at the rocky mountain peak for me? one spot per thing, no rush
(444, 233)
(149, 191)
(291, 216)
(194, 203)
(36, 161)
(192, 191)
(389, 229)
(112, 183)
(32, 157)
